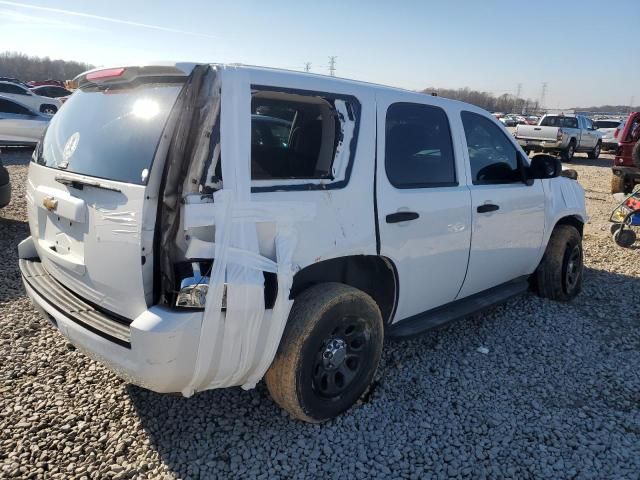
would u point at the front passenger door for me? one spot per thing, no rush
(508, 215)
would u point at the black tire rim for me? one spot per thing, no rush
(341, 357)
(574, 268)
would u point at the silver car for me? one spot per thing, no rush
(20, 124)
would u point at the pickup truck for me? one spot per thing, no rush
(213, 225)
(563, 134)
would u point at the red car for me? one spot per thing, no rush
(626, 166)
(39, 83)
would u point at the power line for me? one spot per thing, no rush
(307, 66)
(332, 66)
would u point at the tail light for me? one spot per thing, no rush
(559, 135)
(105, 74)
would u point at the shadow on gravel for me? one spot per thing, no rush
(588, 162)
(548, 365)
(12, 232)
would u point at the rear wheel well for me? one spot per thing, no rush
(374, 275)
(573, 221)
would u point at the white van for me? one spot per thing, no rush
(205, 226)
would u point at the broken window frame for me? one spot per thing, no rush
(344, 155)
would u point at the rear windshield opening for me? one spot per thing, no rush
(294, 136)
(567, 122)
(109, 133)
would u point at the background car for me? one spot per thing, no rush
(5, 185)
(610, 129)
(20, 124)
(40, 83)
(26, 97)
(52, 91)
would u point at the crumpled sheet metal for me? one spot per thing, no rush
(237, 347)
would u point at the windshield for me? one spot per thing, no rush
(110, 134)
(567, 122)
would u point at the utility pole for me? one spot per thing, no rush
(543, 94)
(517, 102)
(307, 67)
(332, 66)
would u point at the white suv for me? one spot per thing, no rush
(205, 226)
(27, 97)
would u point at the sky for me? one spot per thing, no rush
(588, 52)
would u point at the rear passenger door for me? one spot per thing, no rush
(423, 208)
(508, 214)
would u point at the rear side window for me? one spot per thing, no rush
(492, 156)
(297, 135)
(111, 134)
(7, 106)
(418, 147)
(606, 124)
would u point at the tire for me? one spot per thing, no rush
(595, 153)
(328, 353)
(617, 184)
(559, 275)
(614, 227)
(49, 109)
(624, 238)
(567, 155)
(635, 154)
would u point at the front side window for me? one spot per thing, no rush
(295, 135)
(7, 106)
(493, 158)
(418, 147)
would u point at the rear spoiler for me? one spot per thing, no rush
(103, 77)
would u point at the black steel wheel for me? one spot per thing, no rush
(328, 353)
(559, 275)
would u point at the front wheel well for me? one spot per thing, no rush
(572, 220)
(374, 275)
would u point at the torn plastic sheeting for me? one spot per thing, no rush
(238, 346)
(204, 214)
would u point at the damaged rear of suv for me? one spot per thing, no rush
(205, 226)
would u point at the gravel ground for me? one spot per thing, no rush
(534, 389)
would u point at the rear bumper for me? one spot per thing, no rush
(629, 173)
(541, 144)
(156, 350)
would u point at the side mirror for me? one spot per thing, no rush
(544, 166)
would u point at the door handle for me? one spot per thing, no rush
(401, 217)
(487, 207)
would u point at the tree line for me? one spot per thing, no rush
(27, 68)
(504, 103)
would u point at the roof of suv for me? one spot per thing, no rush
(186, 68)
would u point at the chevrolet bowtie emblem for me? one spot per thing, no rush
(50, 203)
